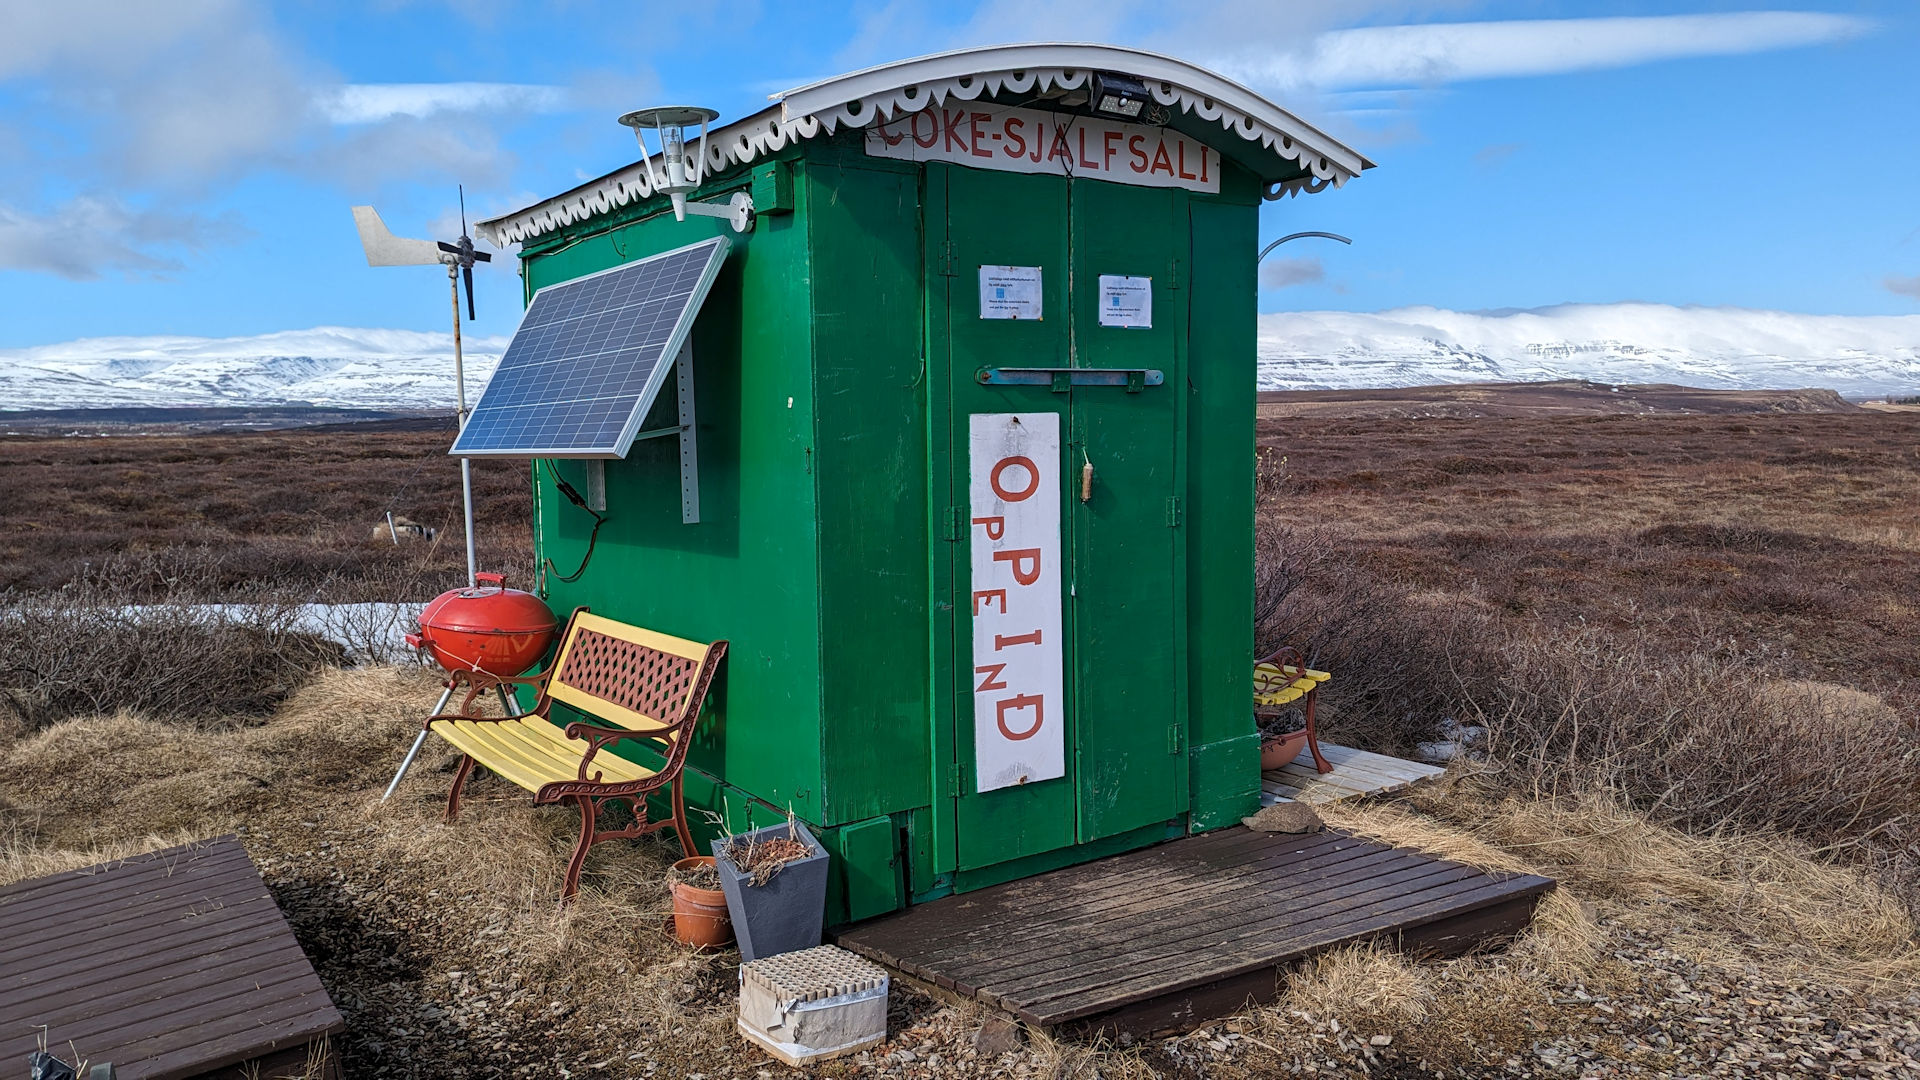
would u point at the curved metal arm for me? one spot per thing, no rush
(1296, 236)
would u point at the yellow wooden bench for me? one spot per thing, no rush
(1278, 684)
(642, 685)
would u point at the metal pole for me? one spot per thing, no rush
(460, 387)
(407, 762)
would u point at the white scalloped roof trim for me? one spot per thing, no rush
(735, 144)
(910, 99)
(769, 131)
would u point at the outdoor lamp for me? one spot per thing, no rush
(684, 172)
(1120, 96)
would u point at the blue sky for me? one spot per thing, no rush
(186, 168)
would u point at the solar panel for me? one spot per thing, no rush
(590, 356)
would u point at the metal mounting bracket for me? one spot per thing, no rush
(689, 446)
(737, 211)
(596, 484)
(1065, 379)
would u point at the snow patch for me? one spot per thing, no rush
(338, 366)
(1715, 348)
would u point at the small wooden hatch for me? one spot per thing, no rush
(173, 964)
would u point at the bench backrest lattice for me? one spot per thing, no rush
(639, 679)
(650, 683)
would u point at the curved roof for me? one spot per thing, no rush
(1286, 152)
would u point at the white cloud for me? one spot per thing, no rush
(1286, 273)
(87, 235)
(42, 36)
(1433, 53)
(1904, 286)
(170, 105)
(371, 103)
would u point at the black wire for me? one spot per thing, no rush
(573, 496)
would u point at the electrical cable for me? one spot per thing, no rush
(573, 496)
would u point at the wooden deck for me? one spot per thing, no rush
(172, 964)
(1162, 939)
(1356, 773)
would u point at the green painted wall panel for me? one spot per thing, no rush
(870, 412)
(746, 571)
(1220, 409)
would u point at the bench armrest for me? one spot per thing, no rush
(1284, 657)
(598, 736)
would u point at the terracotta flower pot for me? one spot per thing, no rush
(699, 915)
(1277, 750)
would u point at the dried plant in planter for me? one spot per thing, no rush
(701, 876)
(1274, 723)
(759, 858)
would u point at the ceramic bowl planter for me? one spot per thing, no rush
(1277, 750)
(785, 911)
(700, 916)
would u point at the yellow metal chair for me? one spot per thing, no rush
(1279, 681)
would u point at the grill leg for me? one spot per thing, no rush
(418, 741)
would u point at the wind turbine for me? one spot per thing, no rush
(385, 249)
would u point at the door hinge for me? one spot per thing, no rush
(1173, 274)
(949, 261)
(953, 780)
(1175, 733)
(1173, 511)
(955, 525)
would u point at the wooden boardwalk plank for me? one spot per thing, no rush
(1154, 939)
(1356, 774)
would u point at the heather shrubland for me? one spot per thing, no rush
(1708, 621)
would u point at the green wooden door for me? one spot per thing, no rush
(1130, 681)
(1121, 644)
(994, 219)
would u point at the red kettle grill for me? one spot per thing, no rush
(485, 627)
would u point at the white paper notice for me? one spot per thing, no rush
(1010, 292)
(1126, 301)
(1013, 495)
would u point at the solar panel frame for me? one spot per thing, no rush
(677, 339)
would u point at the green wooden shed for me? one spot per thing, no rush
(973, 401)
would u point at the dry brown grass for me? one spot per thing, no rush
(355, 874)
(1760, 887)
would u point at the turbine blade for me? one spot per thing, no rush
(481, 256)
(466, 272)
(385, 249)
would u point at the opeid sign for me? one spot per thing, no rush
(1019, 706)
(1059, 144)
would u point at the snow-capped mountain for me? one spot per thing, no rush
(1731, 348)
(1715, 348)
(328, 365)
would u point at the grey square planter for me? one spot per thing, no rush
(786, 913)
